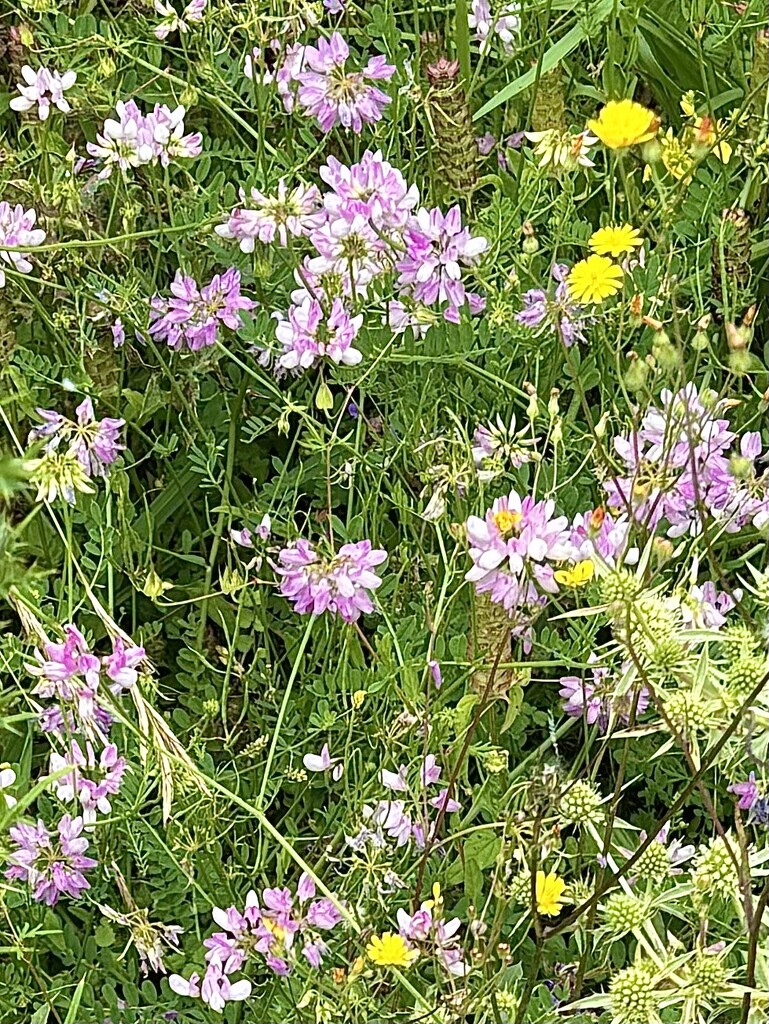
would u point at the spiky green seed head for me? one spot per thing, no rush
(581, 804)
(622, 912)
(633, 1000)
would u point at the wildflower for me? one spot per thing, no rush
(437, 247)
(594, 279)
(549, 894)
(324, 762)
(135, 139)
(395, 781)
(445, 803)
(371, 188)
(747, 792)
(340, 584)
(409, 315)
(7, 779)
(43, 88)
(513, 546)
(632, 997)
(308, 336)
(431, 933)
(623, 123)
(705, 607)
(55, 475)
(334, 96)
(558, 314)
(676, 157)
(615, 240)
(561, 149)
(51, 864)
(121, 666)
(193, 315)
(242, 537)
(391, 950)
(435, 672)
(17, 229)
(173, 22)
(89, 781)
(267, 216)
(118, 333)
(93, 443)
(148, 937)
(505, 24)
(661, 858)
(497, 447)
(602, 538)
(350, 248)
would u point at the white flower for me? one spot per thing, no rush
(43, 88)
(7, 779)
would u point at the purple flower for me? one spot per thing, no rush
(192, 316)
(135, 139)
(437, 247)
(287, 213)
(599, 536)
(90, 781)
(350, 250)
(43, 89)
(17, 228)
(747, 792)
(118, 333)
(596, 700)
(340, 585)
(51, 864)
(513, 548)
(372, 189)
(120, 666)
(705, 607)
(505, 23)
(555, 314)
(308, 336)
(435, 672)
(445, 803)
(94, 443)
(396, 781)
(334, 96)
(580, 698)
(428, 930)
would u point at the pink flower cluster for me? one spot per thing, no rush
(192, 316)
(428, 931)
(596, 700)
(340, 584)
(676, 468)
(52, 864)
(94, 443)
(404, 820)
(273, 929)
(334, 95)
(363, 227)
(91, 781)
(17, 229)
(71, 674)
(134, 139)
(43, 89)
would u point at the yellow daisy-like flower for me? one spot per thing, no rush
(594, 279)
(389, 950)
(623, 123)
(614, 241)
(549, 893)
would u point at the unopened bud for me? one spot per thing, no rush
(323, 398)
(739, 362)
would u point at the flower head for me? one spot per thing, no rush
(615, 240)
(340, 584)
(594, 279)
(623, 123)
(266, 217)
(52, 864)
(44, 89)
(335, 96)
(308, 336)
(17, 229)
(391, 950)
(549, 894)
(192, 316)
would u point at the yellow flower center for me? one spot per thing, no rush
(505, 521)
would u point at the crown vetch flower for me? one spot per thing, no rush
(308, 336)
(135, 139)
(437, 248)
(371, 188)
(623, 123)
(747, 792)
(558, 313)
(51, 864)
(173, 22)
(44, 89)
(90, 781)
(192, 316)
(340, 584)
(333, 95)
(514, 545)
(505, 24)
(94, 443)
(17, 229)
(269, 216)
(594, 279)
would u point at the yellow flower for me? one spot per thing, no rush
(594, 279)
(549, 892)
(613, 241)
(388, 950)
(676, 157)
(623, 123)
